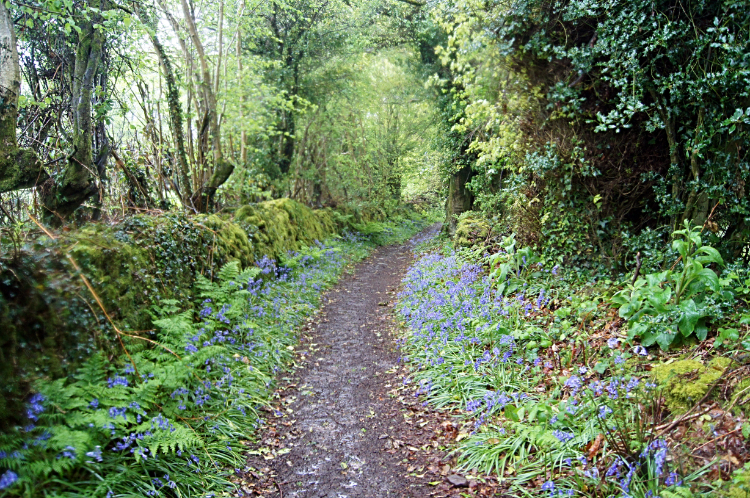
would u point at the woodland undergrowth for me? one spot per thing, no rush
(560, 393)
(172, 414)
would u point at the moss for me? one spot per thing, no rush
(740, 491)
(470, 230)
(326, 220)
(741, 398)
(50, 321)
(19, 168)
(282, 225)
(113, 267)
(231, 242)
(739, 487)
(686, 382)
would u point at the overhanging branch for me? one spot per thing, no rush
(413, 2)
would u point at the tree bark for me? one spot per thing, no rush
(460, 199)
(19, 168)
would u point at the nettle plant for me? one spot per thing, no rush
(665, 307)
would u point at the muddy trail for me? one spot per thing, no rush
(341, 429)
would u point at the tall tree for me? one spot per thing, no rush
(19, 168)
(302, 32)
(61, 196)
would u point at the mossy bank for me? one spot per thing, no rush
(51, 321)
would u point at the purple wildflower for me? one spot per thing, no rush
(8, 479)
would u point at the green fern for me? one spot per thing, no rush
(201, 379)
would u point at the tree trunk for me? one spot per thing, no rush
(63, 197)
(289, 129)
(175, 109)
(222, 169)
(460, 199)
(19, 168)
(243, 133)
(286, 147)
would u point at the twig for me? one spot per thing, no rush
(638, 263)
(737, 398)
(109, 319)
(281, 493)
(152, 342)
(684, 418)
(716, 439)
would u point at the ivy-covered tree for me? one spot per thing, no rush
(596, 120)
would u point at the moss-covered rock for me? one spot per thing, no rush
(686, 382)
(470, 230)
(50, 320)
(230, 241)
(282, 225)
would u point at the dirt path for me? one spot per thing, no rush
(339, 431)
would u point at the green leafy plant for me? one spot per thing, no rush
(166, 415)
(661, 307)
(511, 267)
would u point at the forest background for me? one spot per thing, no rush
(591, 131)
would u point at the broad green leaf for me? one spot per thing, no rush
(689, 318)
(664, 340)
(709, 277)
(511, 412)
(656, 279)
(708, 254)
(701, 330)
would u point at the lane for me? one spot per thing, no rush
(335, 435)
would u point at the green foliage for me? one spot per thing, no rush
(590, 125)
(367, 140)
(45, 306)
(511, 268)
(281, 225)
(168, 415)
(577, 417)
(662, 307)
(470, 230)
(739, 486)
